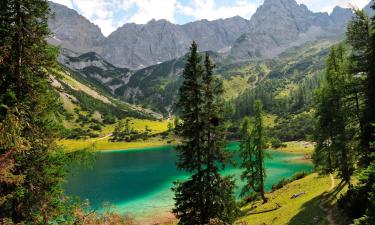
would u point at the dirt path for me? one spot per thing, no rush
(108, 135)
(329, 212)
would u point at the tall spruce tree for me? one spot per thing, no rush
(252, 152)
(334, 150)
(206, 195)
(360, 37)
(31, 165)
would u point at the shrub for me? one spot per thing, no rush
(96, 127)
(277, 143)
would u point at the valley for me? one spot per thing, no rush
(263, 119)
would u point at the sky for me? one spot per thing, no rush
(111, 14)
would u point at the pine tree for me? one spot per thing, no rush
(334, 151)
(206, 195)
(252, 152)
(31, 192)
(361, 37)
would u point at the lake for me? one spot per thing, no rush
(138, 182)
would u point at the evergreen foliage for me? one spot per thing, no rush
(252, 152)
(334, 150)
(206, 195)
(32, 167)
(345, 112)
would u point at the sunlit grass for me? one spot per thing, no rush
(301, 210)
(105, 144)
(298, 147)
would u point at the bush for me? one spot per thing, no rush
(354, 202)
(96, 127)
(280, 184)
(75, 133)
(283, 182)
(277, 143)
(299, 175)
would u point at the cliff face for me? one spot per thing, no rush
(280, 24)
(73, 31)
(276, 26)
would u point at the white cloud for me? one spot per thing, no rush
(208, 9)
(151, 9)
(111, 14)
(67, 3)
(328, 5)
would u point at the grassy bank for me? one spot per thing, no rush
(281, 209)
(298, 147)
(297, 211)
(105, 144)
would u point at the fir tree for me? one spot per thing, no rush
(252, 152)
(334, 151)
(206, 195)
(34, 166)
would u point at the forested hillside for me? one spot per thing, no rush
(269, 120)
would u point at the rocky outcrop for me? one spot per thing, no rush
(369, 10)
(280, 24)
(138, 46)
(73, 31)
(276, 26)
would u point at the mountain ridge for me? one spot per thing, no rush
(137, 46)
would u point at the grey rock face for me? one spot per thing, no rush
(280, 24)
(138, 46)
(276, 26)
(73, 31)
(92, 67)
(369, 10)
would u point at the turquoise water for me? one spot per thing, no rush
(138, 182)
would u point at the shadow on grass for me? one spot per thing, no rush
(310, 213)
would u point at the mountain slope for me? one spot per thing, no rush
(280, 24)
(276, 26)
(139, 46)
(73, 31)
(94, 68)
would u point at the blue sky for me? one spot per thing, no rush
(111, 14)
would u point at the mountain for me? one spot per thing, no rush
(139, 46)
(94, 68)
(280, 24)
(369, 10)
(276, 26)
(73, 31)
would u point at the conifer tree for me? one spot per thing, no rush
(334, 150)
(206, 195)
(361, 37)
(33, 165)
(252, 152)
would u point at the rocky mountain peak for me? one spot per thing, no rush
(369, 10)
(341, 16)
(280, 24)
(74, 31)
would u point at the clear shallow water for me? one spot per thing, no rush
(139, 182)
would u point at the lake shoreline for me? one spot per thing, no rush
(306, 158)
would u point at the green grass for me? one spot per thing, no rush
(235, 86)
(303, 210)
(299, 211)
(103, 143)
(298, 147)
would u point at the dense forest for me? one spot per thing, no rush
(333, 107)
